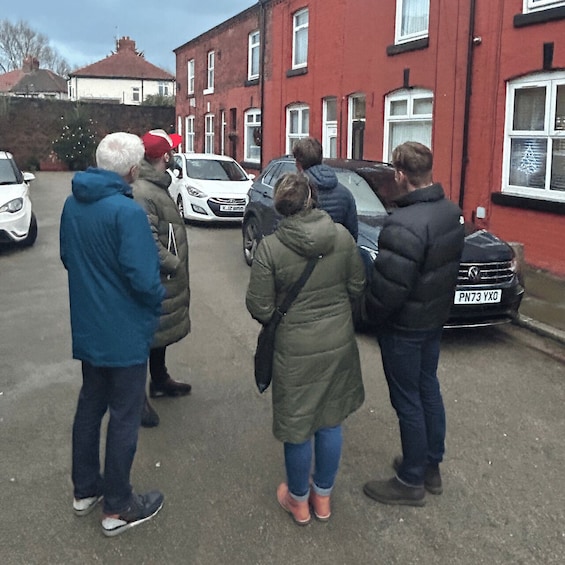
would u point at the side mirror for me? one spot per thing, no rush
(251, 176)
(28, 177)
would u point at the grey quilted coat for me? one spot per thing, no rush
(169, 231)
(317, 373)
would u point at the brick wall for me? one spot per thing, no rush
(28, 126)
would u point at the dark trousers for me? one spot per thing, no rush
(410, 360)
(122, 391)
(157, 367)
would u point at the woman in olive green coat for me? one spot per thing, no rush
(316, 372)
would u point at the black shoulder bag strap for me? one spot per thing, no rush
(293, 291)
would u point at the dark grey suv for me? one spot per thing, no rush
(489, 288)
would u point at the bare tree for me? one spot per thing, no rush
(18, 41)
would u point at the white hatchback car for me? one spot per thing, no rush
(209, 188)
(17, 221)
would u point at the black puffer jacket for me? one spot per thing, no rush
(334, 198)
(415, 272)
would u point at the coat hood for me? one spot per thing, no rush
(430, 193)
(324, 176)
(94, 184)
(149, 173)
(310, 233)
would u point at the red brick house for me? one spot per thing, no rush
(480, 81)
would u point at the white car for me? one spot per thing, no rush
(17, 221)
(209, 188)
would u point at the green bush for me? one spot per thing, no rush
(76, 145)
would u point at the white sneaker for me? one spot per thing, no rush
(84, 506)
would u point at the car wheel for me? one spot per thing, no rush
(250, 239)
(180, 206)
(32, 233)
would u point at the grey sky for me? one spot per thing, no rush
(84, 32)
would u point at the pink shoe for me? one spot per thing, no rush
(300, 511)
(320, 505)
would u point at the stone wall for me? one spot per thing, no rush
(28, 126)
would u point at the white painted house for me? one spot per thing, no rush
(123, 77)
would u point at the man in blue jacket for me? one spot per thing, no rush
(410, 295)
(333, 197)
(115, 295)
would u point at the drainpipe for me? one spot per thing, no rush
(263, 39)
(468, 92)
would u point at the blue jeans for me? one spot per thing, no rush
(410, 360)
(122, 390)
(298, 463)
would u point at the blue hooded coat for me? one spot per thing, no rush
(109, 252)
(334, 198)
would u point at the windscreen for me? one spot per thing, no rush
(8, 173)
(367, 202)
(208, 169)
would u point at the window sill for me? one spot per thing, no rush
(415, 45)
(208, 91)
(521, 20)
(297, 72)
(251, 82)
(526, 203)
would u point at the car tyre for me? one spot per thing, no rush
(251, 239)
(32, 233)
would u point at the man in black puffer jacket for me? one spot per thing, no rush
(409, 297)
(333, 197)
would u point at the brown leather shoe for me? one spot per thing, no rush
(300, 511)
(320, 505)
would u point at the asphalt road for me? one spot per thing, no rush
(214, 456)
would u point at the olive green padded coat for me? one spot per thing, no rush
(317, 372)
(150, 191)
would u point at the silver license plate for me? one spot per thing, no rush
(231, 208)
(477, 296)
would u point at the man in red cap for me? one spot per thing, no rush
(167, 225)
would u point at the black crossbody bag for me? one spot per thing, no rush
(266, 340)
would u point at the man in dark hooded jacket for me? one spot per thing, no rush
(333, 197)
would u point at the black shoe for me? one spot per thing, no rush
(149, 418)
(432, 480)
(142, 508)
(168, 387)
(395, 492)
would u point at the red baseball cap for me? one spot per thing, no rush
(157, 142)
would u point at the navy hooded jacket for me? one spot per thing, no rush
(109, 252)
(334, 198)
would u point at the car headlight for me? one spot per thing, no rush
(370, 251)
(13, 206)
(195, 192)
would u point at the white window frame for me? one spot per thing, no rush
(410, 96)
(538, 5)
(399, 35)
(254, 43)
(210, 73)
(136, 94)
(163, 87)
(329, 127)
(303, 111)
(296, 30)
(551, 133)
(251, 120)
(189, 134)
(350, 103)
(190, 76)
(209, 133)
